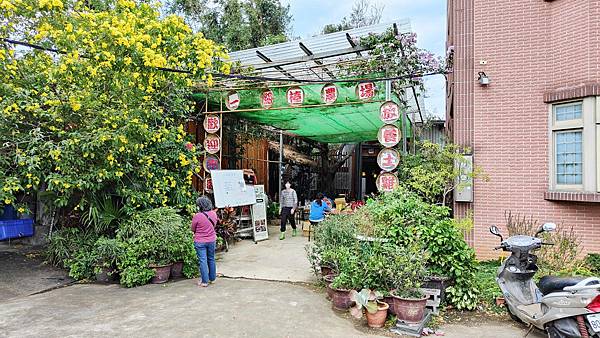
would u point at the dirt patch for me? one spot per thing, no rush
(23, 272)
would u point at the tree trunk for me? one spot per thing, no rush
(330, 163)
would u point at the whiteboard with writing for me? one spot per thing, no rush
(230, 189)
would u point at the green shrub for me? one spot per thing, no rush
(593, 263)
(158, 236)
(404, 217)
(65, 243)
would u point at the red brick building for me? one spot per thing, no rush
(535, 128)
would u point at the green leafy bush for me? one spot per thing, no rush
(158, 236)
(593, 262)
(404, 217)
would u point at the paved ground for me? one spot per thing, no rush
(229, 308)
(23, 272)
(273, 259)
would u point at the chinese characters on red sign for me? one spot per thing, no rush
(389, 135)
(233, 101)
(388, 159)
(212, 124)
(389, 112)
(329, 93)
(295, 96)
(387, 182)
(365, 90)
(212, 144)
(266, 99)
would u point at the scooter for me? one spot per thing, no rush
(565, 307)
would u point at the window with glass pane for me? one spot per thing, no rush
(567, 112)
(569, 158)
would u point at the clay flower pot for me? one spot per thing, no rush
(177, 270)
(378, 318)
(499, 301)
(328, 280)
(390, 301)
(340, 299)
(326, 270)
(161, 273)
(409, 310)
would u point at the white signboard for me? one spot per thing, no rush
(259, 214)
(230, 189)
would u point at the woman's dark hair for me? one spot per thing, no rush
(320, 199)
(204, 203)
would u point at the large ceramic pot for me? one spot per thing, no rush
(340, 299)
(378, 318)
(161, 273)
(328, 280)
(409, 310)
(326, 270)
(390, 301)
(177, 270)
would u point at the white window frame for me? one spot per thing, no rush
(589, 125)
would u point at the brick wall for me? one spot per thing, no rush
(529, 47)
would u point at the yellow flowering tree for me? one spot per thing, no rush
(97, 112)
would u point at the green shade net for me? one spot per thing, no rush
(349, 120)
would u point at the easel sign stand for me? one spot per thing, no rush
(259, 215)
(230, 190)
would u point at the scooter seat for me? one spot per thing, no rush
(549, 284)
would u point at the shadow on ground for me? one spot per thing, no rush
(23, 272)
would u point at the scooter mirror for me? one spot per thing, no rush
(549, 227)
(495, 231)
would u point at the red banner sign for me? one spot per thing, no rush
(212, 144)
(212, 123)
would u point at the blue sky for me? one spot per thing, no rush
(427, 17)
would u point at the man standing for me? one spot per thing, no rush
(288, 204)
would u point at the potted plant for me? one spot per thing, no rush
(340, 292)
(328, 280)
(376, 310)
(162, 269)
(409, 269)
(106, 251)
